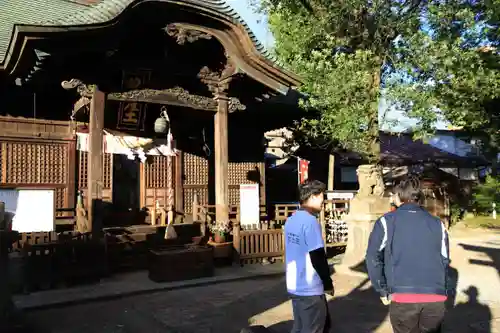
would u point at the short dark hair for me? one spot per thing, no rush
(408, 189)
(309, 188)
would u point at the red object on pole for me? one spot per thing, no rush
(303, 170)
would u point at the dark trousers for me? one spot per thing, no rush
(310, 314)
(417, 317)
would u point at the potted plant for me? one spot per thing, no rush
(222, 248)
(219, 230)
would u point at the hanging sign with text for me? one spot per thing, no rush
(132, 115)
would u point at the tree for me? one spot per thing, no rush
(422, 57)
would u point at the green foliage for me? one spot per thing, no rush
(456, 213)
(420, 56)
(482, 222)
(487, 193)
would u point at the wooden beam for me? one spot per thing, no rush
(221, 159)
(95, 160)
(174, 96)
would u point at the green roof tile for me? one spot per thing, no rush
(30, 12)
(67, 13)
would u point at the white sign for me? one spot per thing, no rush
(249, 206)
(332, 195)
(30, 210)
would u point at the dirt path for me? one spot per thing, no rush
(228, 307)
(475, 258)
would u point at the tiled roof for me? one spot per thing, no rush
(30, 12)
(79, 12)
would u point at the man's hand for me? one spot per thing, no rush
(385, 300)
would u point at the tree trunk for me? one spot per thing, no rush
(373, 131)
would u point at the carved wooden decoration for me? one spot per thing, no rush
(235, 105)
(85, 90)
(184, 35)
(218, 82)
(175, 96)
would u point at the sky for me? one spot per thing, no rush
(258, 24)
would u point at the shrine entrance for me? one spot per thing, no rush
(124, 69)
(126, 186)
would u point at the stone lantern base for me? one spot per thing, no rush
(368, 205)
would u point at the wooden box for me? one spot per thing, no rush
(180, 263)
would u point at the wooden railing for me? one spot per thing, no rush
(27, 239)
(65, 217)
(283, 211)
(207, 213)
(256, 245)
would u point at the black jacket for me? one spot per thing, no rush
(408, 252)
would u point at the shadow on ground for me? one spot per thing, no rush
(358, 312)
(491, 252)
(227, 307)
(470, 316)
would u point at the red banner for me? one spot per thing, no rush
(303, 170)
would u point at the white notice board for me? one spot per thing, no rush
(249, 206)
(31, 210)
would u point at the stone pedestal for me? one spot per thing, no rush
(368, 205)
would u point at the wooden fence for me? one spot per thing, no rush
(256, 245)
(268, 241)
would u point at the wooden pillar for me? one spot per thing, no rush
(178, 183)
(221, 159)
(331, 172)
(95, 161)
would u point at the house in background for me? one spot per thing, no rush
(449, 163)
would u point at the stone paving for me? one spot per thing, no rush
(227, 307)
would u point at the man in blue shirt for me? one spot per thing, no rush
(307, 272)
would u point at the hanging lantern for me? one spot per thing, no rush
(162, 124)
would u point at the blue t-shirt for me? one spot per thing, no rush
(302, 235)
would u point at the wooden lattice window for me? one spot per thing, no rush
(195, 170)
(2, 145)
(158, 172)
(234, 196)
(36, 163)
(60, 198)
(83, 172)
(107, 160)
(189, 193)
(238, 172)
(82, 169)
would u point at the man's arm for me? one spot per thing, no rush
(375, 256)
(316, 249)
(445, 245)
(445, 257)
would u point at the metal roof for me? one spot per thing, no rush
(70, 13)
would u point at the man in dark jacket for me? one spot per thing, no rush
(407, 261)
